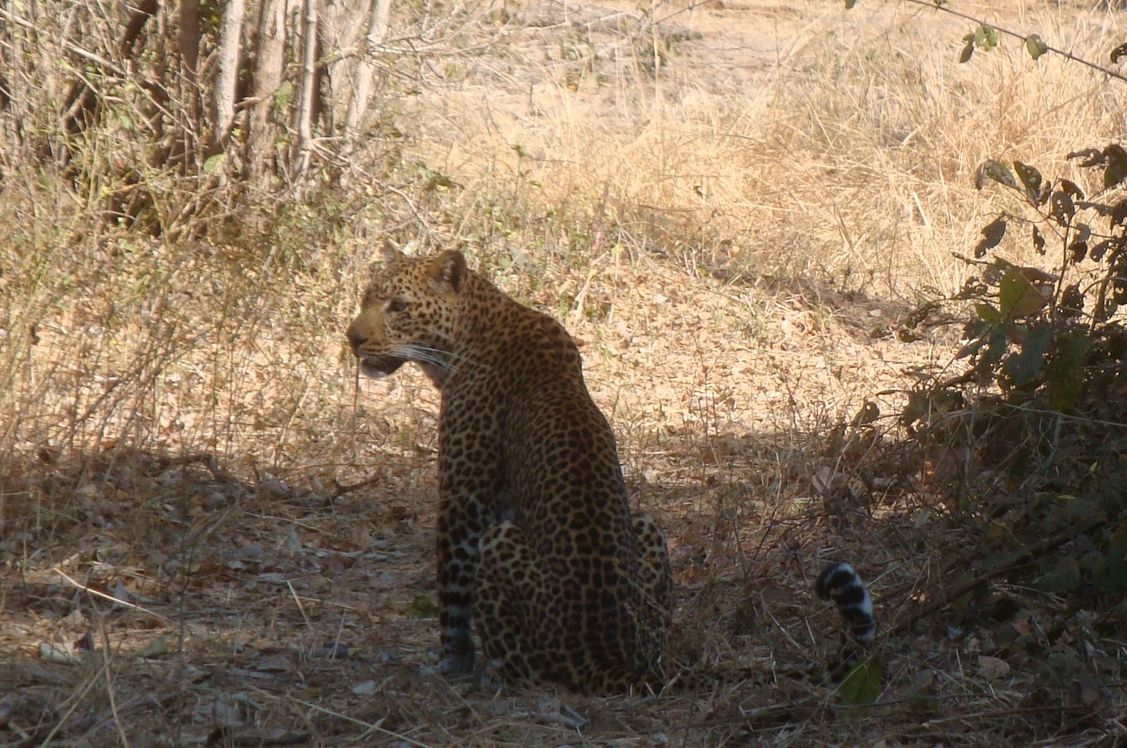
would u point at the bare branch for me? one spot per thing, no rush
(70, 46)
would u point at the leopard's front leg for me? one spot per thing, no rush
(469, 488)
(460, 526)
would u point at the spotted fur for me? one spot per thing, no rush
(536, 541)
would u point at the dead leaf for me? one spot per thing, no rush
(364, 688)
(120, 593)
(156, 648)
(993, 668)
(272, 577)
(58, 655)
(278, 663)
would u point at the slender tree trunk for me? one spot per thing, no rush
(188, 45)
(267, 77)
(226, 78)
(380, 11)
(341, 25)
(308, 88)
(13, 96)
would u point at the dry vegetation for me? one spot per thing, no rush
(733, 208)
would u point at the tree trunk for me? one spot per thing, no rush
(308, 89)
(362, 87)
(341, 26)
(188, 42)
(267, 77)
(228, 74)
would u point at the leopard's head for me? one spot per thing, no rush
(409, 312)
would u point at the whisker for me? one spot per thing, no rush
(432, 356)
(459, 358)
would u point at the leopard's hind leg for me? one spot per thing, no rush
(504, 588)
(656, 581)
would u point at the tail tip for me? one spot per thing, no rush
(840, 583)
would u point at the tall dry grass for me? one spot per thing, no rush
(821, 142)
(824, 145)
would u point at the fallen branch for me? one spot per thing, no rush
(207, 460)
(1017, 559)
(349, 488)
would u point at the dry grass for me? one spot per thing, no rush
(722, 230)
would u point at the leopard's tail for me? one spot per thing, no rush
(840, 583)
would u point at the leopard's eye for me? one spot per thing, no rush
(396, 305)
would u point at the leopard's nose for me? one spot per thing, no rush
(355, 339)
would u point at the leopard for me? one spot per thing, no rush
(537, 546)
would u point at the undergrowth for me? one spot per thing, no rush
(1036, 427)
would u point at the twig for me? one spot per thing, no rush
(224, 736)
(109, 679)
(300, 607)
(1017, 35)
(349, 488)
(84, 53)
(372, 727)
(1017, 559)
(111, 598)
(208, 461)
(74, 704)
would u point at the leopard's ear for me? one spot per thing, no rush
(389, 253)
(447, 271)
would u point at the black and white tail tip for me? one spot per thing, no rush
(838, 582)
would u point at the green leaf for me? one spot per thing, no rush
(214, 162)
(1066, 371)
(987, 312)
(1116, 170)
(1027, 365)
(968, 49)
(985, 37)
(1062, 207)
(1038, 241)
(862, 685)
(1035, 46)
(1030, 179)
(283, 94)
(1071, 301)
(423, 607)
(1017, 297)
(849, 4)
(1072, 189)
(996, 344)
(995, 170)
